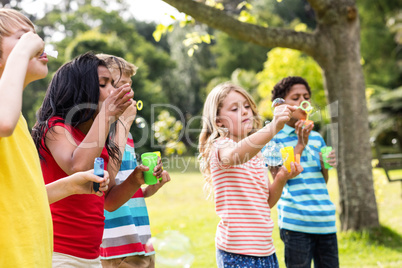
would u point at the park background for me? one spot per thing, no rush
(181, 60)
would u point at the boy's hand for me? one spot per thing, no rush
(158, 170)
(32, 43)
(152, 189)
(284, 175)
(118, 101)
(82, 182)
(128, 116)
(331, 158)
(303, 132)
(282, 114)
(137, 177)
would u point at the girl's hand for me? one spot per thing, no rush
(118, 101)
(284, 175)
(82, 182)
(303, 132)
(282, 114)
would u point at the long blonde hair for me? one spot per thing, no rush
(211, 131)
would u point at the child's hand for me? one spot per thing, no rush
(82, 182)
(303, 132)
(118, 101)
(284, 175)
(158, 170)
(331, 159)
(282, 114)
(152, 189)
(137, 177)
(128, 116)
(32, 43)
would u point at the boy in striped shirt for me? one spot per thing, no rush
(127, 229)
(306, 215)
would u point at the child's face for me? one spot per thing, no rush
(297, 94)
(236, 115)
(119, 81)
(37, 66)
(105, 83)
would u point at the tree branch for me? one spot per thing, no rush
(320, 6)
(266, 37)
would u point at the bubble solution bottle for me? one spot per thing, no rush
(98, 171)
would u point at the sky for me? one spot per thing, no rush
(143, 10)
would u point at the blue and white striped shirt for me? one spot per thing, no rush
(305, 205)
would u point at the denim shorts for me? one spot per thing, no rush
(302, 248)
(231, 260)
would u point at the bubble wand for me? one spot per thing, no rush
(304, 105)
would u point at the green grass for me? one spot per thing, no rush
(181, 205)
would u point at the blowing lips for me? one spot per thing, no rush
(43, 57)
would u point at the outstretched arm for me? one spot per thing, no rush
(78, 183)
(247, 148)
(280, 179)
(120, 194)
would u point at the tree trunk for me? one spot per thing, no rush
(335, 45)
(340, 60)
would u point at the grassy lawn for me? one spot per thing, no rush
(182, 206)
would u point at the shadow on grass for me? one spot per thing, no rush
(380, 236)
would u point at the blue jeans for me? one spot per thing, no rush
(232, 260)
(301, 248)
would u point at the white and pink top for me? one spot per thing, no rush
(241, 201)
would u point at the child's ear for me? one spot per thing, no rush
(219, 123)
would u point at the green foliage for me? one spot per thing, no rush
(379, 48)
(167, 133)
(283, 62)
(244, 78)
(284, 13)
(385, 107)
(185, 80)
(96, 42)
(232, 54)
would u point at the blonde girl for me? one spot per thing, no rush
(229, 146)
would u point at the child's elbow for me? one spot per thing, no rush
(78, 167)
(6, 128)
(109, 207)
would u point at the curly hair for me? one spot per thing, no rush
(282, 88)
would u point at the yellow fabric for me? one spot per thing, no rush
(26, 232)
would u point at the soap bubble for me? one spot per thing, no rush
(140, 122)
(173, 249)
(277, 102)
(272, 154)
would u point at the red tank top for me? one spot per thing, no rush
(78, 220)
